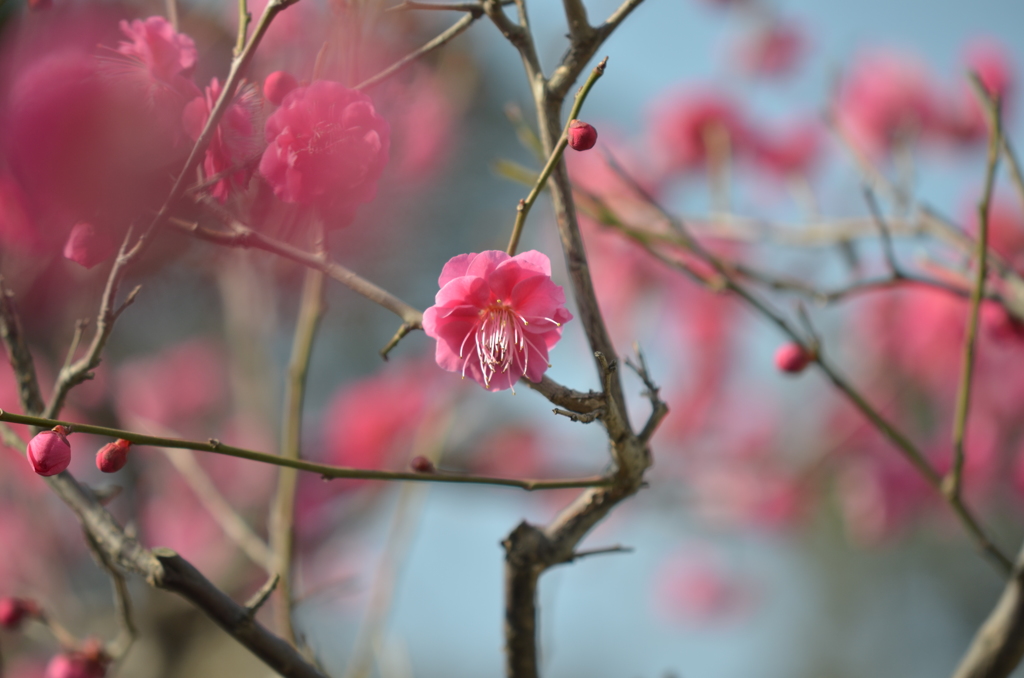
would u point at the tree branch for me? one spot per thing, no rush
(324, 470)
(282, 516)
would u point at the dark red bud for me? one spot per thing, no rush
(792, 358)
(13, 611)
(49, 452)
(582, 136)
(76, 665)
(277, 85)
(113, 456)
(421, 464)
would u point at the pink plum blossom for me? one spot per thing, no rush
(326, 147)
(88, 247)
(496, 317)
(166, 54)
(235, 142)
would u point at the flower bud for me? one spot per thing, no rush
(277, 85)
(76, 665)
(13, 611)
(582, 136)
(49, 452)
(113, 456)
(421, 464)
(792, 358)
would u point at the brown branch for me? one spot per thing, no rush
(584, 48)
(530, 550)
(18, 353)
(998, 645)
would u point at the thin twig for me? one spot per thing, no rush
(257, 599)
(244, 18)
(245, 237)
(597, 552)
(282, 516)
(441, 40)
(883, 230)
(81, 370)
(954, 479)
(326, 471)
(122, 602)
(553, 159)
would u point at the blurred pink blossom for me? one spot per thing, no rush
(88, 247)
(791, 151)
(693, 586)
(771, 50)
(963, 117)
(236, 142)
(370, 423)
(886, 99)
(326, 147)
(690, 127)
(167, 54)
(496, 317)
(179, 388)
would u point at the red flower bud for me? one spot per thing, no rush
(582, 136)
(792, 358)
(76, 665)
(421, 464)
(49, 452)
(13, 611)
(277, 85)
(113, 456)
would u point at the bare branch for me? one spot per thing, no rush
(73, 374)
(584, 48)
(998, 645)
(18, 353)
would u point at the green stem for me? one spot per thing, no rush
(282, 517)
(954, 480)
(326, 471)
(524, 205)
